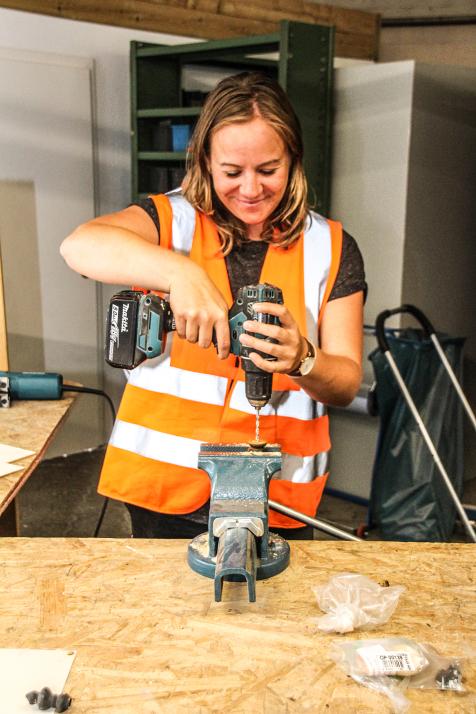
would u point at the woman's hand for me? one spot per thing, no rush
(199, 308)
(290, 346)
(337, 371)
(121, 248)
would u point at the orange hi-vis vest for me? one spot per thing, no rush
(186, 396)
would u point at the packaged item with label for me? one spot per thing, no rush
(391, 664)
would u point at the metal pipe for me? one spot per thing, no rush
(314, 522)
(411, 405)
(454, 380)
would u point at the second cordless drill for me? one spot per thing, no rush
(138, 323)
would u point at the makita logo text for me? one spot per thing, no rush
(124, 318)
(114, 330)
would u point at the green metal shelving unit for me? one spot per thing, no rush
(301, 60)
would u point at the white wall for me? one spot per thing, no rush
(371, 144)
(440, 254)
(107, 179)
(46, 181)
(109, 48)
(404, 184)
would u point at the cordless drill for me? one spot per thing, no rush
(138, 323)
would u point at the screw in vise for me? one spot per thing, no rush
(47, 700)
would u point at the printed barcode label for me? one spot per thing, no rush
(395, 661)
(379, 661)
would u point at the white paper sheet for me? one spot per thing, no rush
(6, 469)
(24, 670)
(12, 453)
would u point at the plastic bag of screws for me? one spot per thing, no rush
(445, 673)
(392, 664)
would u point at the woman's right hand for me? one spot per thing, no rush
(199, 307)
(121, 248)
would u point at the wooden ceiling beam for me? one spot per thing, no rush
(356, 31)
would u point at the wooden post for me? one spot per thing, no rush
(3, 326)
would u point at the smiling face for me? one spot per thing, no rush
(249, 165)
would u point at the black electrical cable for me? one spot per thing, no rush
(90, 390)
(101, 517)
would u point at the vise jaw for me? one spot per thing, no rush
(238, 545)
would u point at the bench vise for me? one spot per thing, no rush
(238, 545)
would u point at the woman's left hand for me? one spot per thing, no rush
(290, 345)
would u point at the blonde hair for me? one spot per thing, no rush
(239, 99)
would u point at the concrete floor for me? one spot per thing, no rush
(60, 499)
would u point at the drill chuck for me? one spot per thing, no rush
(258, 388)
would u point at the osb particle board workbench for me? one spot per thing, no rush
(150, 638)
(29, 425)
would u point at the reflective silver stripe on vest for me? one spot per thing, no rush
(181, 383)
(295, 404)
(157, 375)
(182, 451)
(155, 445)
(303, 469)
(317, 263)
(183, 222)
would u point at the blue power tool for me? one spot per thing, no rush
(29, 385)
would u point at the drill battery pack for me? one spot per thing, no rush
(136, 328)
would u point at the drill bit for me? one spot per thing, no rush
(256, 443)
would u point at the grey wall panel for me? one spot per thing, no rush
(46, 160)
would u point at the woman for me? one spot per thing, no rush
(241, 218)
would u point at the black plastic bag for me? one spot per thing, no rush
(409, 500)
